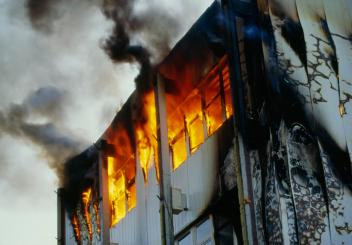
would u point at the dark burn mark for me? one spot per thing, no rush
(320, 58)
(309, 200)
(81, 172)
(292, 32)
(318, 96)
(347, 38)
(346, 229)
(332, 56)
(343, 102)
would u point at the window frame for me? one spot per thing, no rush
(217, 71)
(193, 232)
(128, 183)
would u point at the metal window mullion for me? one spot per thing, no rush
(240, 145)
(105, 212)
(205, 126)
(222, 94)
(166, 220)
(187, 138)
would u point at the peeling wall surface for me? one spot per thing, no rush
(275, 169)
(306, 165)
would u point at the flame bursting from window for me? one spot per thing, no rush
(199, 114)
(85, 217)
(122, 188)
(192, 117)
(97, 217)
(86, 198)
(146, 136)
(117, 193)
(122, 163)
(75, 225)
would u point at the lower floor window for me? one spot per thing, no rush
(200, 234)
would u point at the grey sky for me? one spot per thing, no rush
(69, 59)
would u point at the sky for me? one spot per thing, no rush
(56, 79)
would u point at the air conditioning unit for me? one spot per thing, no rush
(179, 201)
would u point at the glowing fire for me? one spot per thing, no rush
(82, 219)
(97, 217)
(122, 188)
(75, 225)
(227, 90)
(117, 189)
(121, 166)
(86, 197)
(146, 136)
(198, 114)
(177, 134)
(193, 115)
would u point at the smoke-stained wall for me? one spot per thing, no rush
(304, 193)
(298, 117)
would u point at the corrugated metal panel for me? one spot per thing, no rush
(124, 232)
(142, 224)
(152, 209)
(70, 237)
(197, 177)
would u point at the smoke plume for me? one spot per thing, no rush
(136, 27)
(129, 23)
(35, 120)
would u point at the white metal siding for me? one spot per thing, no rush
(141, 226)
(197, 177)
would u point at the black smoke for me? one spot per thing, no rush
(138, 36)
(36, 120)
(42, 13)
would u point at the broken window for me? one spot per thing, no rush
(146, 135)
(194, 120)
(179, 149)
(198, 114)
(122, 188)
(213, 104)
(117, 196)
(227, 90)
(177, 138)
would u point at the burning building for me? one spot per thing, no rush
(244, 136)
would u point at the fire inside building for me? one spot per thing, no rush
(244, 136)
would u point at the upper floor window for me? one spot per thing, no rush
(122, 188)
(200, 114)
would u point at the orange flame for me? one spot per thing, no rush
(198, 113)
(117, 192)
(76, 230)
(227, 89)
(194, 114)
(97, 217)
(146, 135)
(86, 198)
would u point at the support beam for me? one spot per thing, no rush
(61, 218)
(104, 196)
(243, 173)
(166, 219)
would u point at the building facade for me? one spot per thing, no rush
(244, 136)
